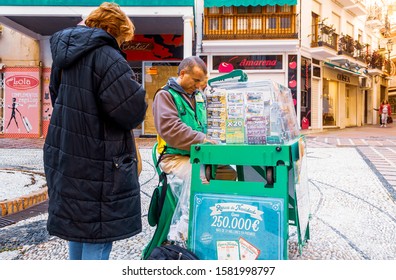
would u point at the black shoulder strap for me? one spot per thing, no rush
(161, 201)
(161, 155)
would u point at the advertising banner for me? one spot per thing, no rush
(292, 77)
(154, 47)
(22, 102)
(227, 63)
(232, 227)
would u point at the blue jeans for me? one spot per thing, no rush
(89, 251)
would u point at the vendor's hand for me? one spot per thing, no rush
(211, 141)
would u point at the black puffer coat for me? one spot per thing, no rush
(89, 153)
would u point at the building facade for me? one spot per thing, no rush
(331, 54)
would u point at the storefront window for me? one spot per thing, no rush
(347, 103)
(329, 103)
(155, 75)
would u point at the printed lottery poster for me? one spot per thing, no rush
(233, 227)
(22, 100)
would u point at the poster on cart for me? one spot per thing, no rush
(233, 227)
(22, 101)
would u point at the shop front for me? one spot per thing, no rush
(342, 99)
(154, 59)
(163, 37)
(280, 67)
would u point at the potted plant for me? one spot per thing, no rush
(326, 29)
(375, 60)
(359, 49)
(346, 44)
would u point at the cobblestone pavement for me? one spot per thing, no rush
(353, 213)
(37, 143)
(376, 145)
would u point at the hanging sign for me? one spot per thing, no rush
(227, 63)
(154, 47)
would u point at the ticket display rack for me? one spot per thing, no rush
(256, 130)
(254, 125)
(249, 218)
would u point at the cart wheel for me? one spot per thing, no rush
(208, 172)
(270, 175)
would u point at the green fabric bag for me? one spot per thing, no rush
(157, 201)
(152, 214)
(162, 219)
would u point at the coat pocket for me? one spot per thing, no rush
(125, 174)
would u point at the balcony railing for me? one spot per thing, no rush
(250, 26)
(324, 36)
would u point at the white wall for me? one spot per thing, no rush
(306, 18)
(17, 49)
(45, 52)
(328, 10)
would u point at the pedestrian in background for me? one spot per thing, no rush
(90, 158)
(379, 112)
(385, 111)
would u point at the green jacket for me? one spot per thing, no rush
(194, 119)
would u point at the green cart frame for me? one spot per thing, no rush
(281, 173)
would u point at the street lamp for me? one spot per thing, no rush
(389, 46)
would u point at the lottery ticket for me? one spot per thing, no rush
(216, 98)
(235, 98)
(216, 123)
(247, 251)
(235, 131)
(235, 111)
(216, 112)
(227, 250)
(216, 134)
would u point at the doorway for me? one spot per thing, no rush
(155, 75)
(329, 102)
(350, 106)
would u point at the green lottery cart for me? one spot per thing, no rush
(249, 218)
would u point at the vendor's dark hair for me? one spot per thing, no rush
(189, 62)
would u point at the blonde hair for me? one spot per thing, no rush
(109, 17)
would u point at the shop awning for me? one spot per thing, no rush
(38, 18)
(227, 3)
(342, 68)
(126, 3)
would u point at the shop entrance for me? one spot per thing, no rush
(155, 75)
(350, 106)
(330, 93)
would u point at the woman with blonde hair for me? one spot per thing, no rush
(90, 159)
